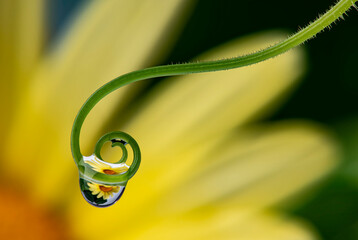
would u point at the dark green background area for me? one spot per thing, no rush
(328, 93)
(330, 88)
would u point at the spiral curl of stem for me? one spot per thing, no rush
(321, 23)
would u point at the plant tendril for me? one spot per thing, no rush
(120, 139)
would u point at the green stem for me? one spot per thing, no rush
(180, 69)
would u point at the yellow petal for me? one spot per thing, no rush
(221, 223)
(194, 108)
(21, 42)
(29, 35)
(101, 194)
(256, 168)
(21, 35)
(95, 191)
(260, 167)
(107, 39)
(121, 169)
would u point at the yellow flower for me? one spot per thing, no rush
(205, 173)
(103, 190)
(103, 167)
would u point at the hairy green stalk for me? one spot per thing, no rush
(300, 37)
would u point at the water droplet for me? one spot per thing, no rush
(100, 195)
(97, 194)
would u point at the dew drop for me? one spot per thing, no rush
(100, 195)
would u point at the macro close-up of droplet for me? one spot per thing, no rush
(100, 195)
(102, 183)
(97, 194)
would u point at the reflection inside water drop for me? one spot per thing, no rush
(100, 195)
(101, 166)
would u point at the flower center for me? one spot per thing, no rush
(36, 222)
(109, 171)
(105, 189)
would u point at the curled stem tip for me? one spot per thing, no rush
(120, 139)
